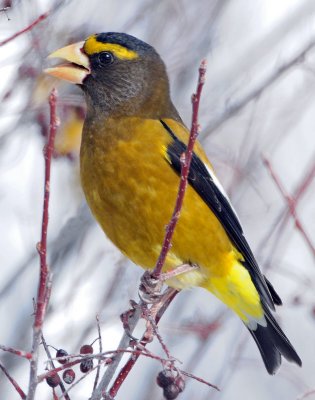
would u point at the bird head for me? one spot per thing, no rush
(119, 74)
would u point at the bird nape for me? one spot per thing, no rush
(132, 141)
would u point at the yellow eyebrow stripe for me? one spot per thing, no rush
(92, 46)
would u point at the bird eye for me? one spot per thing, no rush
(105, 58)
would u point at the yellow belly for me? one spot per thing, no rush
(131, 189)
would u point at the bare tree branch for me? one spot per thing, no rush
(239, 104)
(44, 273)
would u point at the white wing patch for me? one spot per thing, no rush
(220, 187)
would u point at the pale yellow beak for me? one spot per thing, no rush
(78, 67)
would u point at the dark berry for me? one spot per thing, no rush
(165, 378)
(62, 353)
(86, 365)
(68, 376)
(86, 349)
(53, 380)
(171, 391)
(180, 383)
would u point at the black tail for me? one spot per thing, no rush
(273, 344)
(275, 297)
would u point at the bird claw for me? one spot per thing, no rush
(150, 288)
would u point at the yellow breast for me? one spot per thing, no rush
(131, 189)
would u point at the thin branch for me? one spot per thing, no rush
(44, 273)
(306, 394)
(291, 203)
(107, 356)
(185, 166)
(104, 357)
(101, 350)
(111, 369)
(136, 352)
(239, 104)
(283, 216)
(62, 367)
(14, 383)
(124, 372)
(17, 352)
(52, 366)
(199, 379)
(27, 29)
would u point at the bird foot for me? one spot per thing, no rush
(150, 288)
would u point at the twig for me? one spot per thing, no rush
(110, 354)
(185, 166)
(17, 352)
(27, 29)
(284, 215)
(14, 383)
(101, 350)
(110, 371)
(44, 274)
(62, 367)
(137, 352)
(124, 372)
(291, 203)
(52, 366)
(238, 105)
(199, 379)
(306, 394)
(4, 10)
(157, 334)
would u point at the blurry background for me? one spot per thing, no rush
(246, 45)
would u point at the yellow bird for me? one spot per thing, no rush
(132, 141)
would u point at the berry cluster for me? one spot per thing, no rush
(172, 384)
(68, 375)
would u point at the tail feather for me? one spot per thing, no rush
(272, 344)
(275, 297)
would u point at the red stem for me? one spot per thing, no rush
(124, 372)
(292, 201)
(27, 29)
(305, 183)
(42, 296)
(185, 164)
(43, 292)
(14, 383)
(17, 352)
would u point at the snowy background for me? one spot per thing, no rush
(246, 44)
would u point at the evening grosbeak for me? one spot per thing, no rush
(133, 138)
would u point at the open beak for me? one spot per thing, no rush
(77, 67)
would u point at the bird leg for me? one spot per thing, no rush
(151, 286)
(150, 293)
(181, 269)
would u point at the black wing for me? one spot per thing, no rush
(201, 180)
